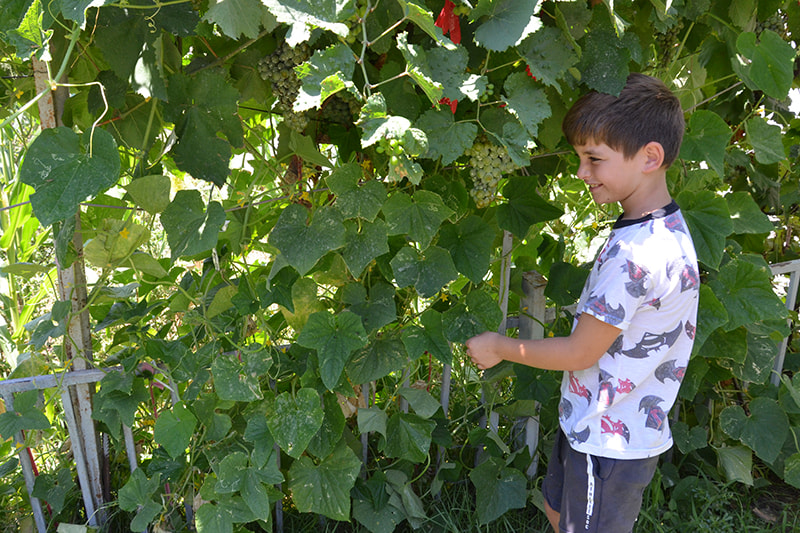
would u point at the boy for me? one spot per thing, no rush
(635, 321)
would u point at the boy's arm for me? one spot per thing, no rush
(586, 344)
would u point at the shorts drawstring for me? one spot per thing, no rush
(589, 490)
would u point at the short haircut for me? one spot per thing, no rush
(645, 111)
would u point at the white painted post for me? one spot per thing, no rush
(793, 269)
(531, 326)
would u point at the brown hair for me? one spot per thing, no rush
(645, 111)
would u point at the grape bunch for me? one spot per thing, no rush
(667, 43)
(778, 23)
(339, 109)
(488, 163)
(278, 69)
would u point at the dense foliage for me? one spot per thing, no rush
(293, 215)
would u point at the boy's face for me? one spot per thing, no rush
(609, 176)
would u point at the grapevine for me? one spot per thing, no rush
(488, 164)
(278, 69)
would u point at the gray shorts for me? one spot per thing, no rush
(595, 494)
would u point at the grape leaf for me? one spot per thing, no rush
(327, 72)
(428, 271)
(524, 207)
(447, 138)
(303, 15)
(190, 228)
(478, 313)
(381, 357)
(706, 139)
(423, 18)
(470, 245)
(303, 244)
(746, 215)
(764, 430)
(418, 68)
(376, 309)
(709, 222)
(66, 170)
(354, 199)
(24, 416)
(604, 63)
(293, 421)
(419, 218)
(765, 63)
(527, 101)
(548, 54)
(174, 429)
(766, 139)
(506, 130)
(363, 243)
(448, 67)
(372, 419)
(335, 338)
(507, 24)
(428, 337)
(325, 488)
(76, 9)
(498, 488)
(240, 17)
(408, 436)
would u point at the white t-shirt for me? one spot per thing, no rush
(645, 282)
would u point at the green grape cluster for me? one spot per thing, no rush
(339, 110)
(778, 23)
(278, 69)
(488, 163)
(667, 43)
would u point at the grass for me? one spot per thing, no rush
(694, 505)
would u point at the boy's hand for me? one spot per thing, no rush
(482, 349)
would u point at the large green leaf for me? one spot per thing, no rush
(303, 244)
(382, 356)
(745, 290)
(25, 415)
(151, 193)
(505, 129)
(447, 138)
(428, 337)
(408, 436)
(330, 433)
(470, 244)
(766, 140)
(527, 101)
(356, 200)
(548, 54)
(736, 463)
(335, 338)
(711, 314)
(372, 419)
(449, 67)
(327, 72)
(201, 107)
(428, 271)
(239, 17)
(706, 139)
(524, 207)
(54, 488)
(304, 15)
(174, 429)
(605, 57)
(293, 420)
(325, 488)
(507, 22)
(191, 228)
(791, 472)
(234, 380)
(764, 430)
(376, 309)
(709, 223)
(478, 313)
(418, 68)
(765, 63)
(115, 242)
(498, 488)
(417, 13)
(137, 495)
(66, 170)
(364, 242)
(419, 218)
(76, 9)
(746, 215)
(423, 403)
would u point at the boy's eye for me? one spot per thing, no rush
(594, 159)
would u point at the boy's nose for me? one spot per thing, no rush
(583, 172)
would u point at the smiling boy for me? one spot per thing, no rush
(635, 321)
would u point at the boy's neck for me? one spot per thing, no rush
(657, 198)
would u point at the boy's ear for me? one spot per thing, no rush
(654, 156)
